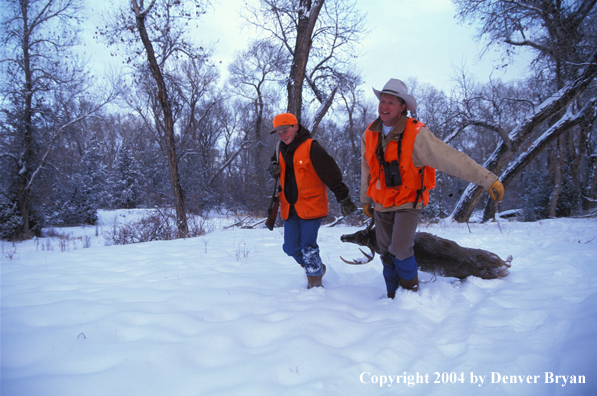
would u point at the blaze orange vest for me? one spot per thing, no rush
(416, 182)
(312, 202)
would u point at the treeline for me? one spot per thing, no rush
(169, 133)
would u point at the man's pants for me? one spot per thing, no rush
(300, 242)
(395, 232)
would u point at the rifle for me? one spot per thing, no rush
(272, 211)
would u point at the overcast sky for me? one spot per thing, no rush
(422, 39)
(409, 39)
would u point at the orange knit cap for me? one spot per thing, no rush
(283, 120)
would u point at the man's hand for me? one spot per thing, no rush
(274, 170)
(368, 210)
(499, 189)
(347, 206)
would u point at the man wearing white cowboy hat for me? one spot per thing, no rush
(399, 159)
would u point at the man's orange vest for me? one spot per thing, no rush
(416, 182)
(312, 202)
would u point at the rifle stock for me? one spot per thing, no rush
(272, 215)
(272, 211)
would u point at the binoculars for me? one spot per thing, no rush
(391, 172)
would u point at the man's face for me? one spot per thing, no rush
(390, 108)
(288, 134)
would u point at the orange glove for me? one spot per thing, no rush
(499, 189)
(368, 210)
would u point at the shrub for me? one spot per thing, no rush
(155, 226)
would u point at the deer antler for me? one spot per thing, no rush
(366, 238)
(368, 258)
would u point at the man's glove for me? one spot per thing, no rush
(347, 206)
(499, 189)
(368, 210)
(274, 170)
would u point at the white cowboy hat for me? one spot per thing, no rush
(397, 88)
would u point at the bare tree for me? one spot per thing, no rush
(351, 105)
(253, 75)
(42, 83)
(562, 36)
(559, 33)
(320, 38)
(155, 34)
(502, 154)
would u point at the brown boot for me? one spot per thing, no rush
(411, 284)
(315, 281)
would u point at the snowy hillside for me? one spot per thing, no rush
(229, 314)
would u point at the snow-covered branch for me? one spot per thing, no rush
(502, 154)
(568, 121)
(244, 146)
(58, 133)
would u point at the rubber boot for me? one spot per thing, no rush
(411, 284)
(315, 281)
(390, 275)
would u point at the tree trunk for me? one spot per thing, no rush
(23, 187)
(589, 192)
(502, 154)
(308, 13)
(181, 218)
(323, 109)
(557, 180)
(261, 159)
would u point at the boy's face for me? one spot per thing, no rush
(288, 134)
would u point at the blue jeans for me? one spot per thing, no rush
(300, 242)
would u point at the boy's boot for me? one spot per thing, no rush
(315, 281)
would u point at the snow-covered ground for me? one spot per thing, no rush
(229, 314)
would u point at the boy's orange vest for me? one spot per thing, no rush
(312, 202)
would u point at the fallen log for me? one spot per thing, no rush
(438, 256)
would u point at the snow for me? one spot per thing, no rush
(229, 314)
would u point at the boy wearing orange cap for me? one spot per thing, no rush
(305, 171)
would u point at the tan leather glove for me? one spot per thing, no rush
(499, 189)
(368, 210)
